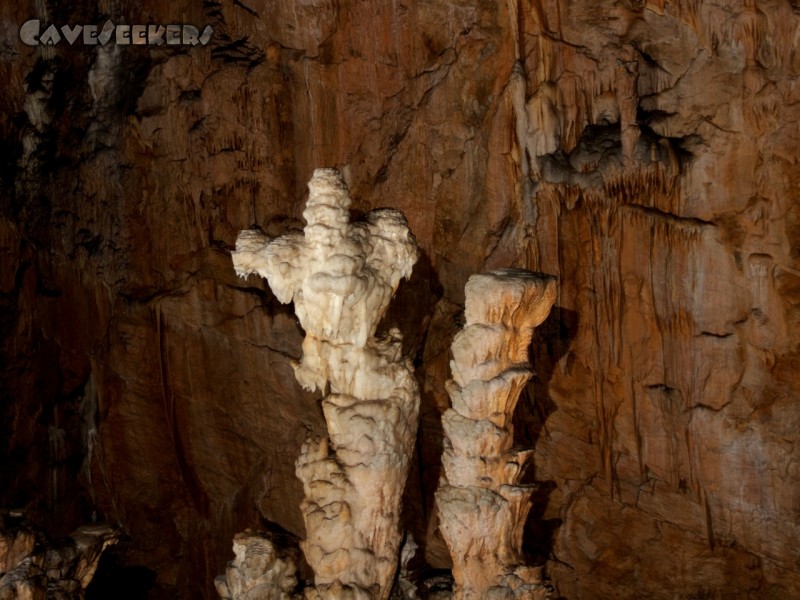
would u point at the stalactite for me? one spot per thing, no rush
(483, 508)
(627, 79)
(341, 277)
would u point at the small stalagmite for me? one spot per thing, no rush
(259, 571)
(341, 277)
(482, 508)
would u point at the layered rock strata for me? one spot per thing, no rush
(482, 507)
(261, 570)
(341, 277)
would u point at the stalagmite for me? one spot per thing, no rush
(260, 571)
(341, 277)
(482, 509)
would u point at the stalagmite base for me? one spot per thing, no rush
(341, 277)
(482, 509)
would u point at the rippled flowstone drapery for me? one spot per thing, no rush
(483, 509)
(341, 277)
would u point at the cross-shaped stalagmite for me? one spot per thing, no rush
(482, 508)
(341, 277)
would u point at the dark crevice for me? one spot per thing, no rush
(721, 336)
(240, 51)
(660, 387)
(245, 8)
(670, 217)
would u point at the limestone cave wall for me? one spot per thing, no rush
(643, 151)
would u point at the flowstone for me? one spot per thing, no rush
(341, 277)
(482, 508)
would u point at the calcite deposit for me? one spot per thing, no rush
(261, 570)
(482, 507)
(341, 277)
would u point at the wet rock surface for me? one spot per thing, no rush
(642, 152)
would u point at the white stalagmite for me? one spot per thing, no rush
(259, 571)
(482, 509)
(341, 277)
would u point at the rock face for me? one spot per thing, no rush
(643, 151)
(482, 508)
(33, 568)
(341, 277)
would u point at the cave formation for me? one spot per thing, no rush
(340, 277)
(643, 152)
(482, 507)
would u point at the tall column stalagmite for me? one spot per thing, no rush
(482, 509)
(341, 277)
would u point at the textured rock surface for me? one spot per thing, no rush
(262, 570)
(482, 509)
(135, 366)
(33, 568)
(406, 588)
(341, 277)
(17, 541)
